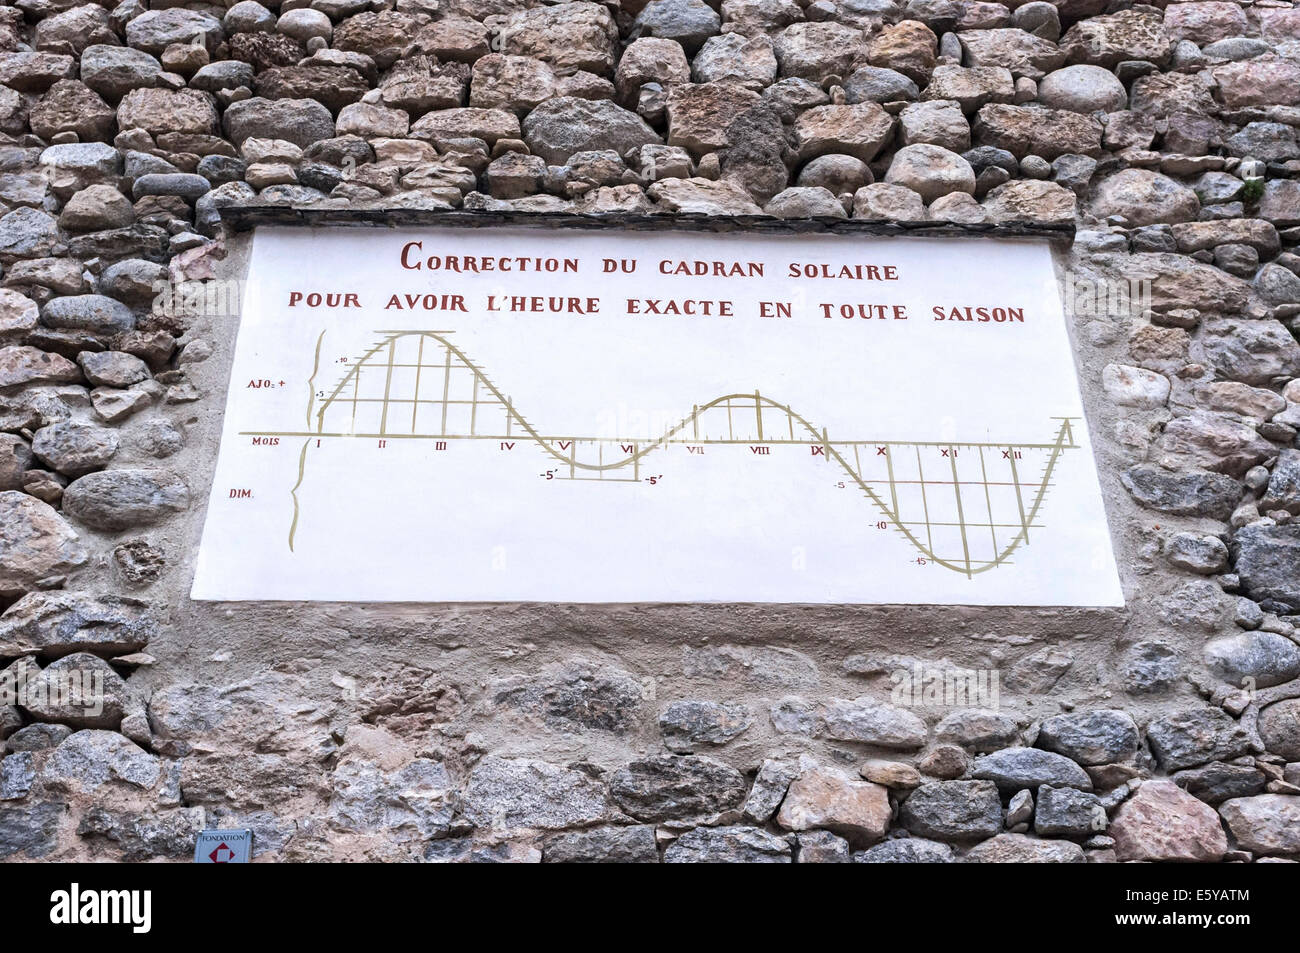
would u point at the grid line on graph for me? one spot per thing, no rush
(404, 368)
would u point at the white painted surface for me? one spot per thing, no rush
(477, 521)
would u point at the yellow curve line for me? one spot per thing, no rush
(302, 462)
(633, 458)
(311, 381)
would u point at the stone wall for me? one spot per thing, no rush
(1165, 135)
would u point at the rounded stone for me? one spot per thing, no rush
(930, 171)
(835, 173)
(303, 24)
(1279, 727)
(1083, 89)
(805, 202)
(248, 16)
(875, 84)
(1264, 658)
(1144, 197)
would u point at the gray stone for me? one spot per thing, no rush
(1266, 558)
(155, 30)
(837, 174)
(800, 202)
(1253, 352)
(1279, 728)
(865, 720)
(1068, 812)
(930, 171)
(768, 790)
(54, 624)
(1097, 736)
(1194, 736)
(686, 725)
(113, 71)
(1189, 493)
(978, 730)
(90, 759)
(36, 544)
(95, 313)
(1012, 769)
(823, 847)
(113, 368)
(74, 448)
(1277, 285)
(1217, 781)
(520, 792)
(248, 16)
(79, 690)
(226, 74)
(573, 696)
(27, 233)
(603, 845)
(728, 845)
(1022, 849)
(876, 84)
(1253, 659)
(1265, 823)
(415, 801)
(300, 121)
(145, 836)
(906, 850)
(1144, 197)
(689, 22)
(121, 499)
(1200, 554)
(30, 829)
(1082, 88)
(184, 185)
(17, 774)
(1267, 141)
(665, 788)
(37, 737)
(560, 127)
(953, 810)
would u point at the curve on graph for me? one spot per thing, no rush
(819, 436)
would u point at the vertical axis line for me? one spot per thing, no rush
(388, 385)
(1020, 502)
(961, 513)
(419, 366)
(446, 389)
(473, 408)
(988, 501)
(925, 503)
(893, 486)
(758, 416)
(356, 393)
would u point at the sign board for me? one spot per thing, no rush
(223, 847)
(557, 416)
